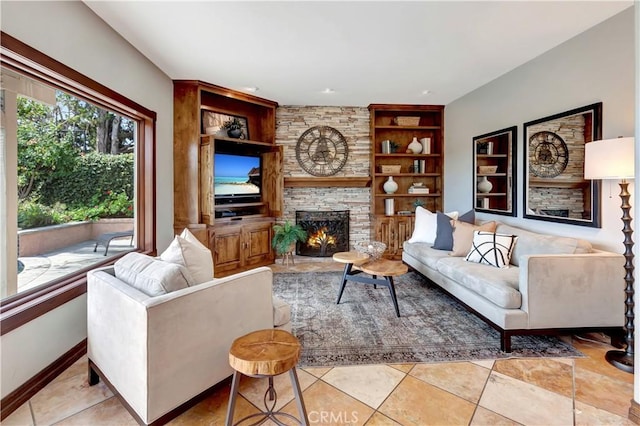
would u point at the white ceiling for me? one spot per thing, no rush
(368, 52)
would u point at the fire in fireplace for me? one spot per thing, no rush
(327, 232)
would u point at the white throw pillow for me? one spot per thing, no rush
(425, 226)
(192, 254)
(491, 249)
(150, 276)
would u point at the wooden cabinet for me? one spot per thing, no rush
(393, 129)
(240, 247)
(393, 231)
(494, 176)
(243, 240)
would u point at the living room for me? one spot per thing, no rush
(576, 73)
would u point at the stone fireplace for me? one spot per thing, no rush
(327, 232)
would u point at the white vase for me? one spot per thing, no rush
(484, 185)
(415, 146)
(426, 145)
(390, 186)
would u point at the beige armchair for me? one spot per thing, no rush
(158, 353)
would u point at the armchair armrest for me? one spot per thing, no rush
(573, 290)
(159, 352)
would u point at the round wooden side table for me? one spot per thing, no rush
(266, 353)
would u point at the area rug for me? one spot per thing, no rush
(364, 329)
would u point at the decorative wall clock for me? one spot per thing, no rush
(549, 155)
(322, 151)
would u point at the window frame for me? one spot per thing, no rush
(18, 309)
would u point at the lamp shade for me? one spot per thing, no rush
(609, 159)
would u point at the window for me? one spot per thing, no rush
(41, 136)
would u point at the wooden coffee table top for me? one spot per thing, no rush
(264, 353)
(384, 267)
(354, 257)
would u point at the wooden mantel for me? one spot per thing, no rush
(327, 182)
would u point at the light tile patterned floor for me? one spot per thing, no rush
(540, 391)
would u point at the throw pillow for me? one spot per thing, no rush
(424, 229)
(444, 231)
(192, 255)
(463, 234)
(150, 276)
(492, 249)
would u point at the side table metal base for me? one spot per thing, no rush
(270, 400)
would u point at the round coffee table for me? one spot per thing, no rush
(356, 262)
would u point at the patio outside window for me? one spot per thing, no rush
(73, 198)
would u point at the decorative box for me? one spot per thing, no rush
(407, 121)
(390, 168)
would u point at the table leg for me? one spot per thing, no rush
(235, 384)
(392, 291)
(345, 274)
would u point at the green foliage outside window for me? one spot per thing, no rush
(75, 162)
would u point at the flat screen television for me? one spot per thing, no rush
(236, 178)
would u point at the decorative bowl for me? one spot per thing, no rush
(373, 249)
(487, 169)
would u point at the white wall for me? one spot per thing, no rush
(595, 66)
(72, 34)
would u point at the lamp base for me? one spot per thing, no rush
(621, 360)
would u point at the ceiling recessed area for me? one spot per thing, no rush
(382, 52)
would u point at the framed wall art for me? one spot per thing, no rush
(213, 122)
(494, 177)
(553, 174)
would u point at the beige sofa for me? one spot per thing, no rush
(159, 352)
(552, 284)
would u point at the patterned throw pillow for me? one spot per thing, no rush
(491, 249)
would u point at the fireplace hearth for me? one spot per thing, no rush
(327, 232)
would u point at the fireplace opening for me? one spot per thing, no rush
(327, 232)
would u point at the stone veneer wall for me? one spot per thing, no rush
(353, 123)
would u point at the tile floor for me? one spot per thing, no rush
(540, 391)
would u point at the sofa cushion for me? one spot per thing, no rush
(489, 248)
(281, 312)
(535, 243)
(463, 234)
(500, 286)
(186, 250)
(425, 253)
(444, 231)
(151, 276)
(424, 229)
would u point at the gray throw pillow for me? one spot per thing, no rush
(444, 230)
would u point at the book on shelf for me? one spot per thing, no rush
(418, 190)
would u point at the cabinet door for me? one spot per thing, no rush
(226, 247)
(257, 243)
(403, 231)
(384, 232)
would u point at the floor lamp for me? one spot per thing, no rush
(614, 159)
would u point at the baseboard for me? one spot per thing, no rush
(634, 412)
(22, 394)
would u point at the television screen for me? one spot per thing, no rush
(236, 176)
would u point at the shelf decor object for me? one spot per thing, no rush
(390, 186)
(555, 187)
(426, 145)
(614, 159)
(415, 147)
(494, 177)
(484, 186)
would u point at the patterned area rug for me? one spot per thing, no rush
(363, 328)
